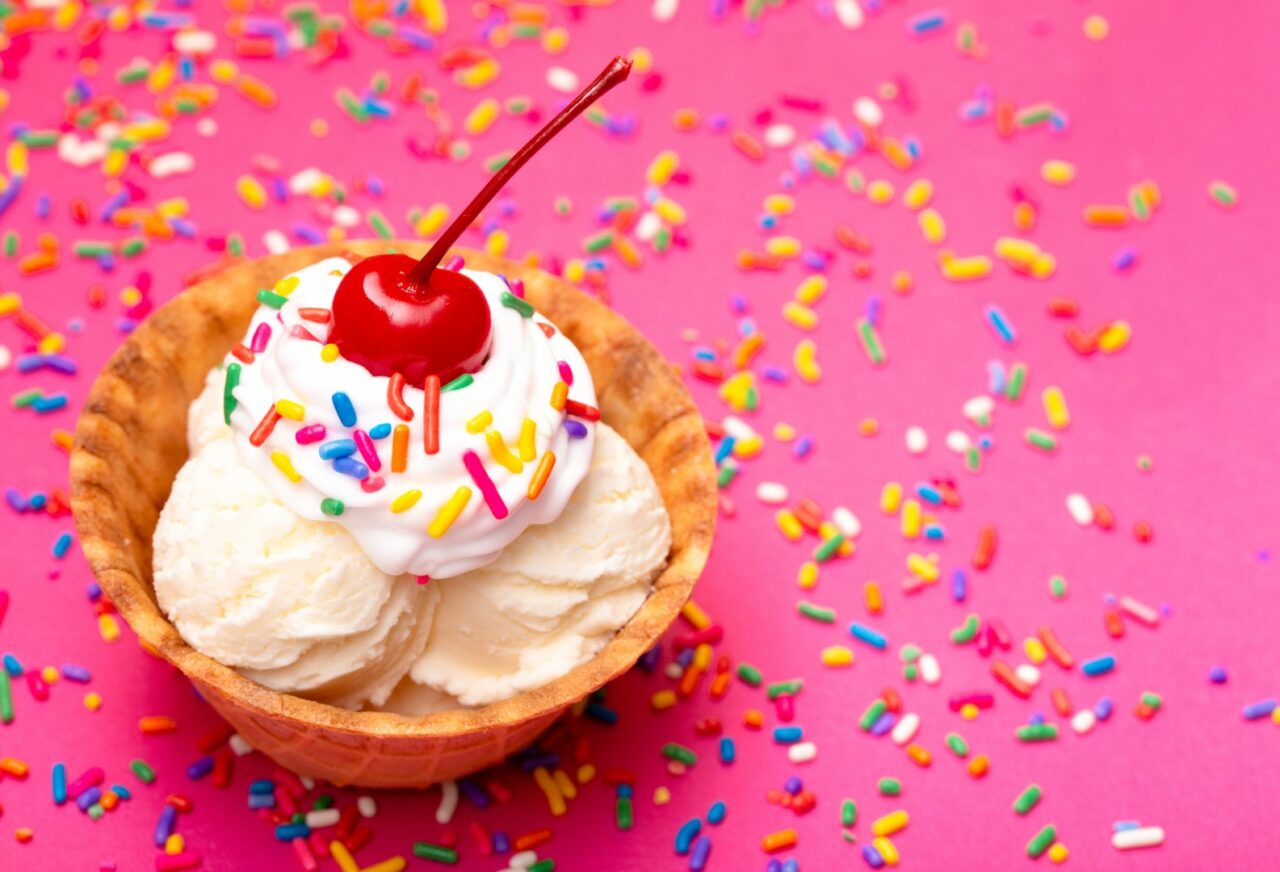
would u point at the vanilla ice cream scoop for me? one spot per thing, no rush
(556, 595)
(293, 603)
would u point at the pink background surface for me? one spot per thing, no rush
(1179, 98)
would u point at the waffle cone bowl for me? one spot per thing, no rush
(131, 442)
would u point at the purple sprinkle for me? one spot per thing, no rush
(575, 429)
(78, 674)
(352, 467)
(200, 768)
(803, 446)
(884, 724)
(793, 785)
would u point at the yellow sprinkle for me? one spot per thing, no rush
(784, 432)
(1034, 649)
(555, 40)
(969, 711)
(837, 657)
(932, 227)
(108, 628)
(291, 410)
(887, 850)
(811, 290)
(784, 246)
(661, 796)
(559, 395)
(799, 316)
(586, 773)
(10, 303)
(789, 525)
(663, 699)
(497, 243)
(1058, 852)
(702, 656)
(965, 269)
(893, 822)
(880, 192)
(662, 168)
(1017, 252)
(779, 204)
(329, 352)
(51, 343)
(251, 192)
(555, 800)
(1044, 265)
(1055, 407)
(565, 783)
(806, 361)
(749, 447)
(342, 857)
(406, 501)
(478, 75)
(479, 422)
(286, 286)
(911, 520)
(175, 844)
(432, 220)
(923, 568)
(481, 118)
(1115, 337)
(670, 211)
(92, 701)
(1096, 28)
(285, 465)
(449, 512)
(807, 577)
(500, 453)
(1058, 172)
(528, 431)
(918, 194)
(891, 498)
(693, 613)
(50, 675)
(391, 864)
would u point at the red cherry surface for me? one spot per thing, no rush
(387, 323)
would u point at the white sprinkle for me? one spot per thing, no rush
(562, 80)
(448, 802)
(802, 752)
(239, 745)
(739, 429)
(523, 860)
(846, 522)
(665, 10)
(868, 111)
(1080, 509)
(304, 181)
(930, 671)
(917, 440)
(849, 14)
(6, 358)
(648, 226)
(958, 441)
(1142, 837)
(325, 817)
(307, 781)
(80, 154)
(1139, 611)
(171, 164)
(1028, 674)
(979, 409)
(771, 493)
(275, 241)
(108, 132)
(905, 730)
(1083, 721)
(206, 127)
(367, 806)
(346, 216)
(673, 670)
(195, 42)
(779, 135)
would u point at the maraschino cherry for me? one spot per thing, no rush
(392, 314)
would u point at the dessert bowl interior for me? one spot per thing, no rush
(131, 442)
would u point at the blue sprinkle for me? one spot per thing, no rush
(1099, 665)
(380, 431)
(289, 832)
(346, 411)
(59, 783)
(935, 532)
(37, 502)
(121, 791)
(13, 666)
(1259, 709)
(51, 403)
(1000, 324)
(1121, 826)
(625, 791)
(352, 467)
(44, 204)
(787, 735)
(995, 377)
(93, 591)
(336, 448)
(649, 660)
(791, 865)
(685, 657)
(501, 843)
(1036, 719)
(793, 785)
(724, 449)
(728, 753)
(685, 835)
(872, 309)
(929, 493)
(775, 374)
(715, 815)
(61, 546)
(601, 712)
(1218, 675)
(704, 353)
(262, 787)
(863, 633)
(261, 800)
(13, 497)
(475, 794)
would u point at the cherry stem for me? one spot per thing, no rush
(612, 75)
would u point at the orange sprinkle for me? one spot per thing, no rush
(156, 724)
(919, 756)
(978, 766)
(779, 841)
(747, 144)
(1106, 216)
(1055, 649)
(542, 473)
(752, 719)
(400, 448)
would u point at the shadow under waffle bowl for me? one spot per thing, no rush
(131, 441)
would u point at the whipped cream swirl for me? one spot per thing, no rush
(434, 516)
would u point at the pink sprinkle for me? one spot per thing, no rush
(261, 337)
(305, 858)
(300, 332)
(423, 579)
(480, 476)
(307, 435)
(786, 706)
(368, 451)
(566, 373)
(372, 484)
(454, 263)
(517, 287)
(91, 778)
(174, 862)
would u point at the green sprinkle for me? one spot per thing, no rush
(817, 613)
(598, 242)
(497, 162)
(11, 243)
(435, 853)
(911, 672)
(235, 245)
(518, 105)
(678, 752)
(228, 391)
(1027, 800)
(144, 772)
(855, 182)
(379, 224)
(95, 811)
(26, 398)
(872, 714)
(910, 653)
(333, 507)
(458, 383)
(966, 632)
(526, 31)
(546, 865)
(380, 83)
(1034, 115)
(1037, 733)
(973, 459)
(1041, 841)
(6, 698)
(623, 813)
(848, 813)
(133, 247)
(1042, 440)
(753, 399)
(784, 688)
(1223, 194)
(725, 475)
(90, 249)
(826, 167)
(323, 801)
(39, 138)
(1138, 205)
(511, 301)
(870, 342)
(828, 549)
(958, 745)
(748, 674)
(889, 786)
(271, 298)
(132, 75)
(1017, 382)
(1058, 587)
(352, 106)
(662, 239)
(1152, 699)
